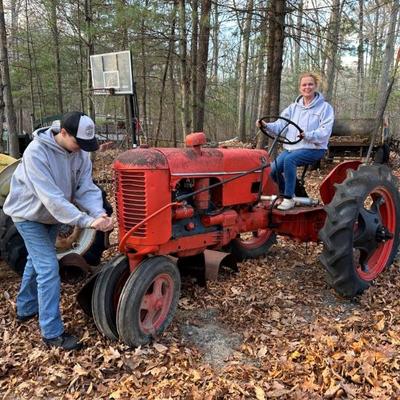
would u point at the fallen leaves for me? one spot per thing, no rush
(274, 330)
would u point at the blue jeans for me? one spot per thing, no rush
(284, 168)
(40, 286)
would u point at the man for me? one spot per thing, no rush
(53, 179)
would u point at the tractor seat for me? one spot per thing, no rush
(300, 190)
(312, 167)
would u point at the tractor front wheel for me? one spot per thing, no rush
(106, 293)
(361, 231)
(148, 301)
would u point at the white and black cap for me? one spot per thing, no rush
(80, 126)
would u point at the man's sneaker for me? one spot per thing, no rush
(25, 318)
(64, 341)
(286, 204)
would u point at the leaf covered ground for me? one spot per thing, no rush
(272, 330)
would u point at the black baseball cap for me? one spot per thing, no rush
(82, 127)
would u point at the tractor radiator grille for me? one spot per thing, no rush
(131, 200)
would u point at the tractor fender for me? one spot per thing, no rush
(337, 175)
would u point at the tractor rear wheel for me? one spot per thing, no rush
(148, 301)
(106, 294)
(361, 231)
(88, 243)
(252, 245)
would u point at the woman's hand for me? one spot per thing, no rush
(104, 223)
(260, 123)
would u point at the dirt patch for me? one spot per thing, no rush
(202, 329)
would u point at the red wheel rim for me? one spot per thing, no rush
(156, 303)
(380, 257)
(258, 239)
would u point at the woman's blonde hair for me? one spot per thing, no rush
(312, 75)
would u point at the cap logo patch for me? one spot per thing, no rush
(89, 131)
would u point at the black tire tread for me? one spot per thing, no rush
(103, 311)
(127, 325)
(337, 232)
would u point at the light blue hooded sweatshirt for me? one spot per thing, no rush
(51, 183)
(316, 120)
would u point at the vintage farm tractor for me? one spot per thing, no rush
(180, 202)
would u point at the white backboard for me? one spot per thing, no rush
(112, 73)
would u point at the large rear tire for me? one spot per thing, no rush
(90, 244)
(361, 231)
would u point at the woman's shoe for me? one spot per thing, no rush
(287, 204)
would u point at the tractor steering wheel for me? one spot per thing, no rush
(278, 137)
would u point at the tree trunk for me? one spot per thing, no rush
(28, 46)
(1, 114)
(204, 37)
(13, 39)
(387, 63)
(194, 55)
(243, 72)
(7, 93)
(185, 83)
(277, 12)
(359, 108)
(298, 39)
(214, 73)
(332, 48)
(56, 43)
(89, 52)
(374, 50)
(173, 91)
(164, 78)
(81, 60)
(144, 76)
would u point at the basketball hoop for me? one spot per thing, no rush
(112, 73)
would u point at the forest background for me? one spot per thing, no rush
(205, 65)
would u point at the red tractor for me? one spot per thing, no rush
(180, 202)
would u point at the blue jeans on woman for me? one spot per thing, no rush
(284, 168)
(40, 286)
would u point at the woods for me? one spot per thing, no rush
(306, 305)
(198, 65)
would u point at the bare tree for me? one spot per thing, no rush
(185, 83)
(1, 113)
(332, 48)
(56, 44)
(387, 64)
(204, 37)
(8, 100)
(360, 61)
(89, 52)
(271, 101)
(244, 58)
(194, 57)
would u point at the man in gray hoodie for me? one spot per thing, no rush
(52, 185)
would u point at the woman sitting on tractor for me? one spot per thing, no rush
(315, 117)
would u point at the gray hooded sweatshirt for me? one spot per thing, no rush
(51, 183)
(316, 120)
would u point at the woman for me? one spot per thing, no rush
(315, 117)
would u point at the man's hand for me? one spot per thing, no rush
(103, 223)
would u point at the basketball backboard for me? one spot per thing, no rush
(112, 73)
